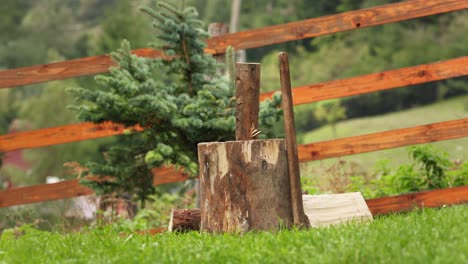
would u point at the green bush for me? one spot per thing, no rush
(430, 169)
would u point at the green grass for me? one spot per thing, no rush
(428, 236)
(444, 111)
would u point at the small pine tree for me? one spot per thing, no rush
(180, 102)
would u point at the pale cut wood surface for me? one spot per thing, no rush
(332, 209)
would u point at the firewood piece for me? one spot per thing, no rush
(300, 219)
(184, 220)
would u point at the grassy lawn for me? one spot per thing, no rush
(444, 111)
(428, 236)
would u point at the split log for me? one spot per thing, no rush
(244, 186)
(183, 220)
(300, 219)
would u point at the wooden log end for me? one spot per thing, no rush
(184, 220)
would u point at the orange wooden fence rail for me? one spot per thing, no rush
(71, 188)
(247, 39)
(380, 81)
(301, 95)
(384, 140)
(426, 199)
(61, 134)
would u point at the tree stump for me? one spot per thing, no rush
(244, 185)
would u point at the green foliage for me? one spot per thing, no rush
(330, 113)
(431, 169)
(158, 210)
(116, 26)
(180, 102)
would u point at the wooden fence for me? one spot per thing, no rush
(302, 95)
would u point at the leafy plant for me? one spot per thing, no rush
(179, 102)
(430, 169)
(433, 164)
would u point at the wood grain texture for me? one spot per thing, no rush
(184, 220)
(334, 23)
(42, 193)
(244, 186)
(300, 219)
(61, 134)
(378, 81)
(246, 39)
(66, 69)
(247, 99)
(72, 188)
(331, 209)
(384, 140)
(426, 199)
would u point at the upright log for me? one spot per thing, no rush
(247, 100)
(244, 186)
(300, 218)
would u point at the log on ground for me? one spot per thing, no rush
(183, 220)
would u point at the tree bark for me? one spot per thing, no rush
(247, 100)
(184, 220)
(244, 186)
(300, 219)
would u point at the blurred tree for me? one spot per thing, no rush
(121, 21)
(330, 113)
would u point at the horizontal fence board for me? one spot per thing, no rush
(426, 199)
(246, 39)
(384, 140)
(334, 23)
(378, 81)
(72, 188)
(42, 193)
(65, 69)
(59, 135)
(301, 95)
